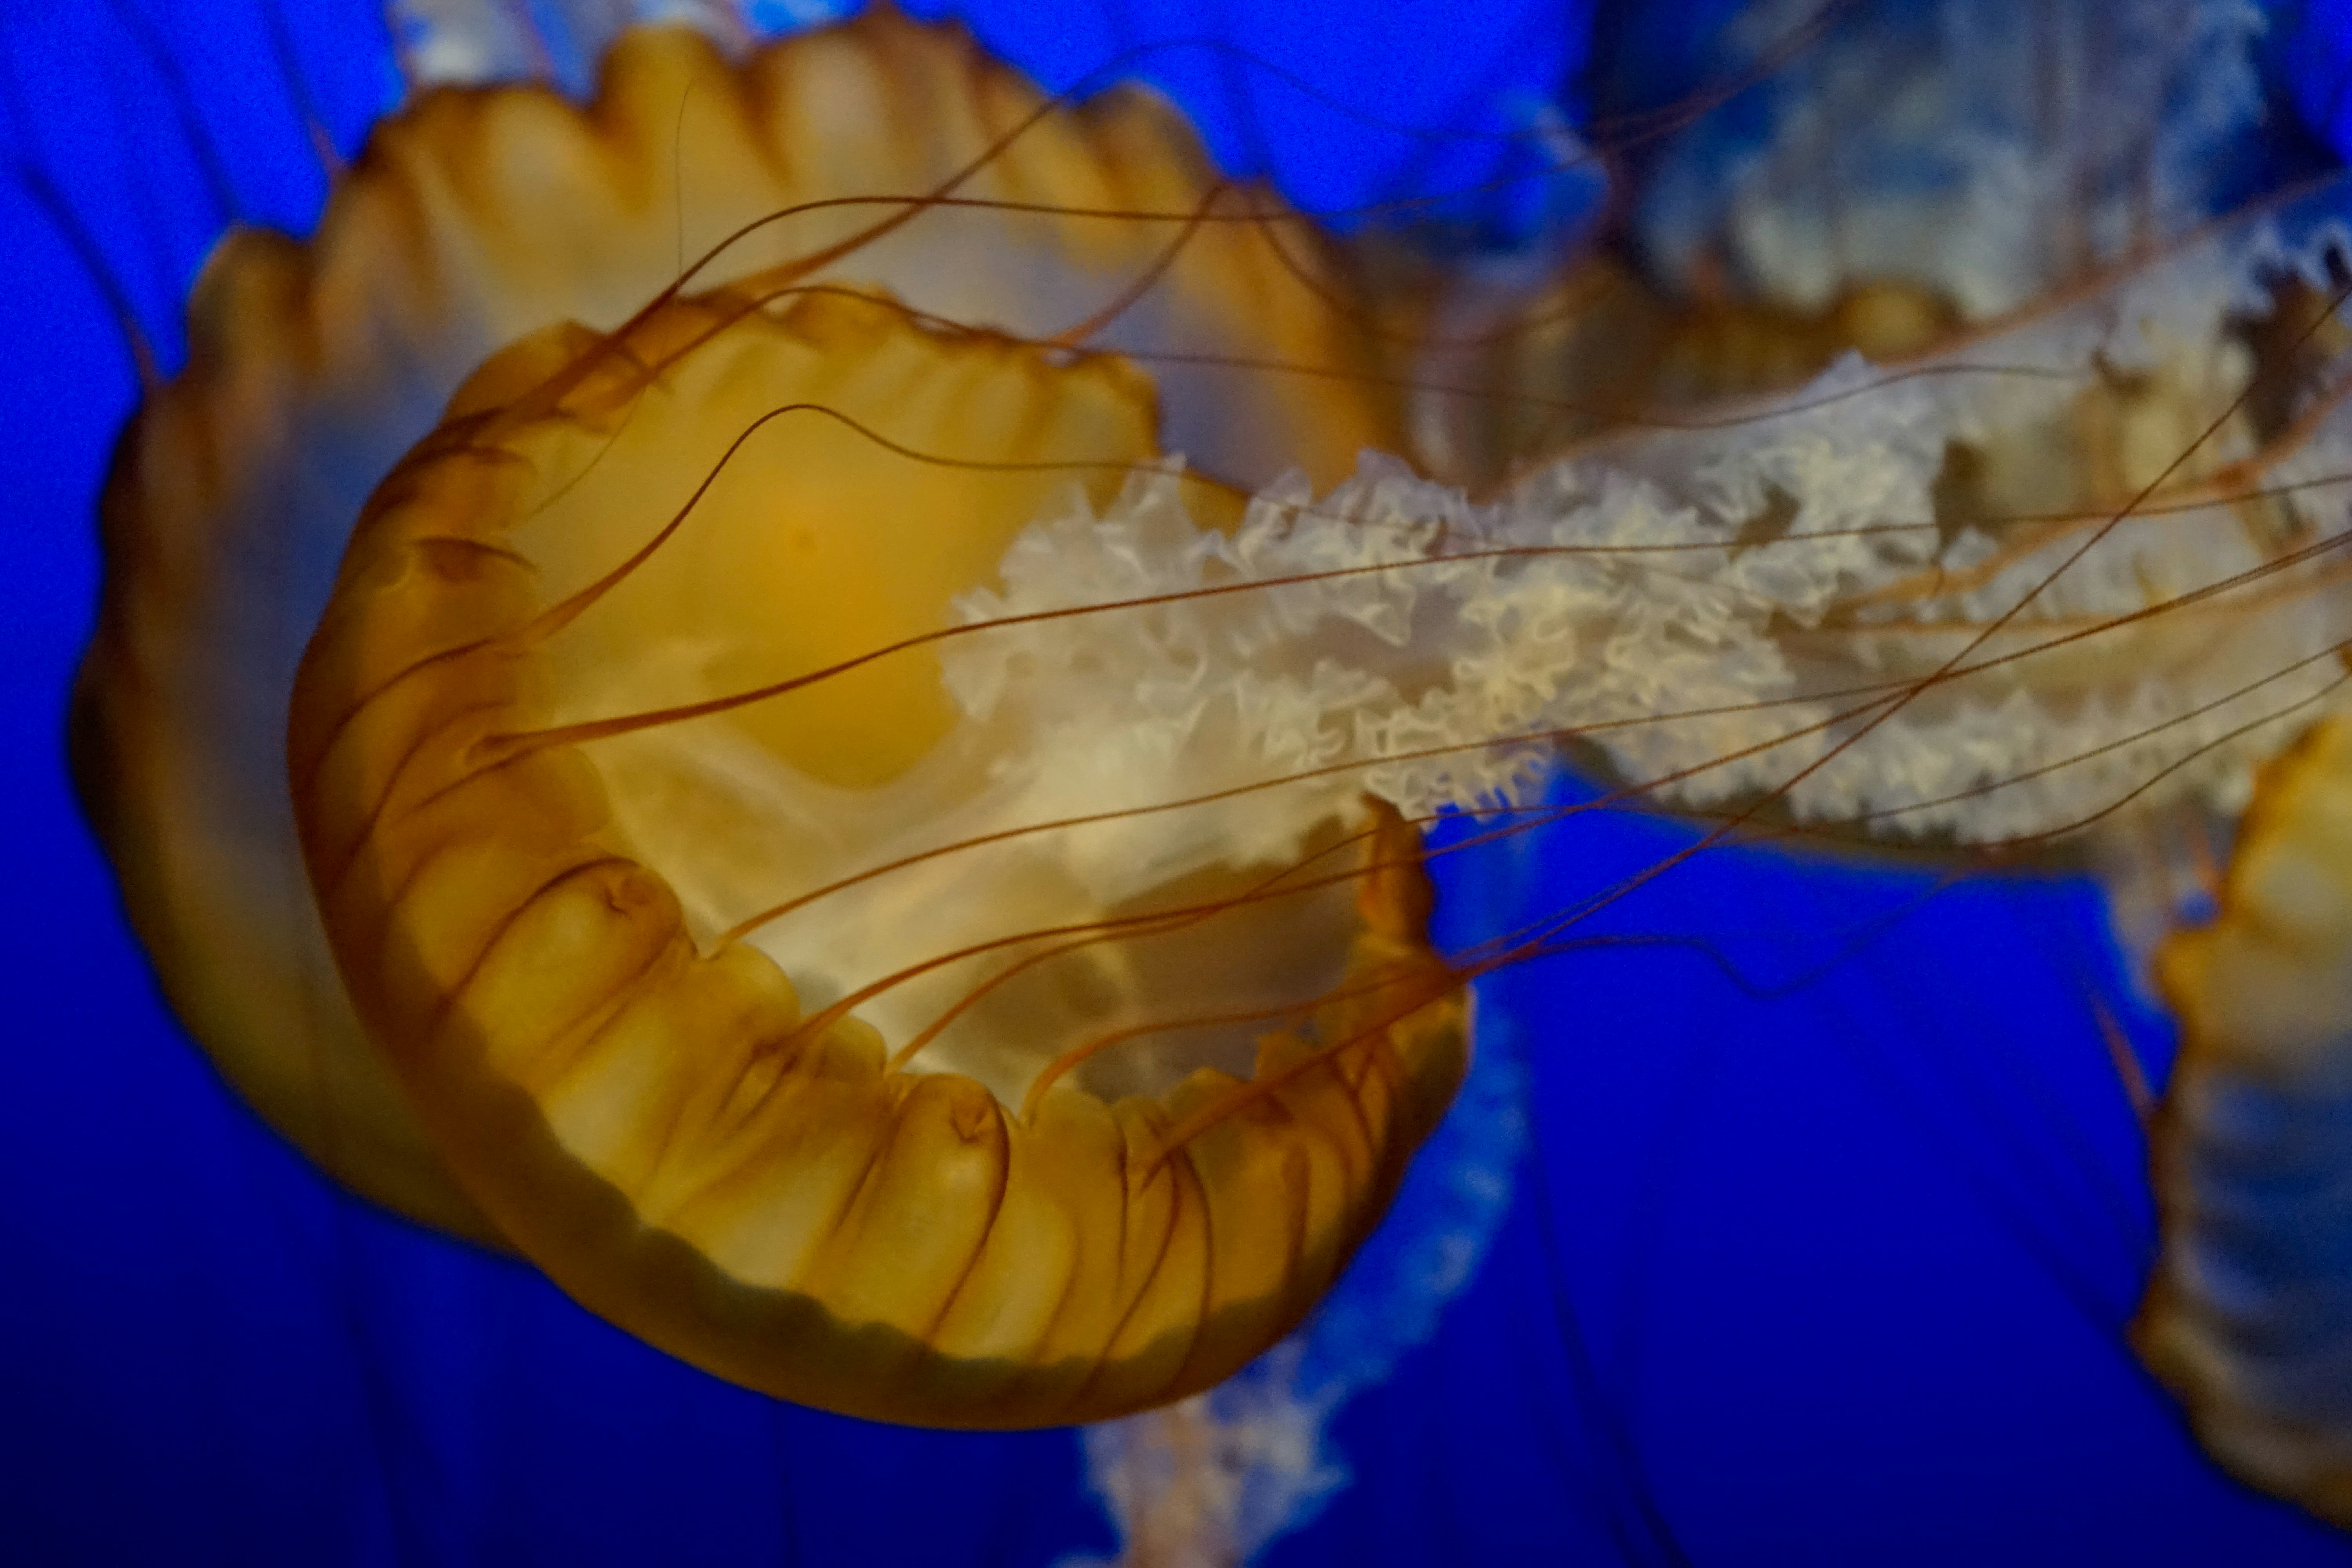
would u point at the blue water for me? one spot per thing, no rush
(1823, 1255)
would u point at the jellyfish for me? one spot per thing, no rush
(1394, 483)
(2243, 1316)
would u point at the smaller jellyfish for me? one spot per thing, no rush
(2246, 1311)
(2247, 1314)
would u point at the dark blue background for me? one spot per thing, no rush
(1824, 1257)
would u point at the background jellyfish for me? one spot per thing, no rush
(1902, 1163)
(2242, 1315)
